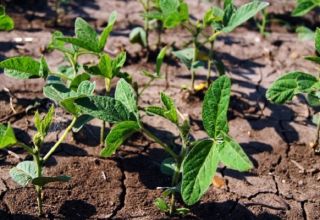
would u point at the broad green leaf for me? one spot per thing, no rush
(58, 92)
(80, 122)
(104, 108)
(171, 20)
(215, 107)
(289, 85)
(303, 7)
(169, 6)
(58, 44)
(156, 110)
(80, 43)
(244, 13)
(43, 68)
(21, 67)
(317, 39)
(127, 96)
(117, 64)
(6, 22)
(86, 88)
(313, 59)
(161, 204)
(105, 66)
(86, 34)
(7, 136)
(160, 58)
(199, 167)
(43, 180)
(313, 99)
(305, 33)
(77, 80)
(185, 56)
(24, 172)
(107, 30)
(183, 11)
(118, 134)
(232, 155)
(138, 35)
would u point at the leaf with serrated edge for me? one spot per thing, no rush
(199, 167)
(215, 107)
(118, 134)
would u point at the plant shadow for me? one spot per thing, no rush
(77, 209)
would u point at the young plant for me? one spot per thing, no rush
(219, 21)
(32, 172)
(262, 25)
(294, 83)
(6, 22)
(191, 165)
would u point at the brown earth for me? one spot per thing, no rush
(285, 183)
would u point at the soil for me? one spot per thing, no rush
(285, 183)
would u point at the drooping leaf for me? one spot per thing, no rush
(287, 86)
(43, 180)
(168, 166)
(21, 67)
(107, 30)
(159, 61)
(127, 96)
(232, 155)
(24, 172)
(7, 136)
(244, 13)
(104, 108)
(215, 107)
(199, 167)
(171, 111)
(80, 122)
(118, 134)
(138, 35)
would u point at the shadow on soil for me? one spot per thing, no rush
(77, 209)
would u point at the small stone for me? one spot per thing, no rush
(300, 183)
(283, 181)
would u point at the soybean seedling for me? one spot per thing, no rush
(6, 22)
(294, 83)
(32, 172)
(219, 21)
(192, 165)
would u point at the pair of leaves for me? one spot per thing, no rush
(42, 125)
(304, 6)
(7, 136)
(87, 38)
(108, 67)
(289, 85)
(168, 111)
(201, 163)
(25, 67)
(26, 172)
(138, 35)
(6, 22)
(171, 13)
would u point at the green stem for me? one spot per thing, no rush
(61, 139)
(157, 140)
(103, 123)
(193, 73)
(262, 26)
(146, 23)
(145, 87)
(210, 62)
(38, 162)
(26, 148)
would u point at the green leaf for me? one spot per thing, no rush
(159, 61)
(79, 43)
(317, 40)
(171, 111)
(7, 136)
(80, 122)
(21, 67)
(127, 96)
(168, 166)
(104, 108)
(44, 124)
(107, 30)
(303, 7)
(105, 66)
(185, 56)
(24, 172)
(232, 155)
(87, 35)
(215, 107)
(43, 180)
(6, 23)
(86, 88)
(138, 35)
(244, 13)
(183, 12)
(77, 80)
(43, 68)
(155, 110)
(161, 204)
(305, 33)
(58, 44)
(313, 59)
(199, 167)
(313, 99)
(58, 92)
(289, 85)
(118, 134)
(169, 6)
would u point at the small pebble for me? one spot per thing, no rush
(283, 181)
(300, 183)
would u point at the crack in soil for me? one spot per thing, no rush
(304, 214)
(123, 194)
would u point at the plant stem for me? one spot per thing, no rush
(146, 23)
(210, 63)
(159, 35)
(145, 87)
(26, 148)
(103, 123)
(316, 143)
(157, 140)
(61, 139)
(38, 162)
(193, 73)
(262, 26)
